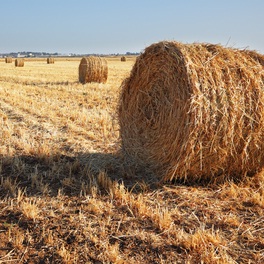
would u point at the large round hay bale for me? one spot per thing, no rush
(194, 112)
(256, 56)
(19, 62)
(8, 59)
(123, 58)
(93, 69)
(50, 60)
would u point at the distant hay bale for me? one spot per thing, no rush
(194, 112)
(123, 58)
(8, 60)
(50, 60)
(93, 69)
(19, 62)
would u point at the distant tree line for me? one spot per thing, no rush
(56, 54)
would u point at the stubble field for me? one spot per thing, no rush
(65, 196)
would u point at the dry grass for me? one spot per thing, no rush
(193, 112)
(66, 197)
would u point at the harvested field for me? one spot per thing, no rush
(65, 196)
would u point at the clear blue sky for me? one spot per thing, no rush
(118, 26)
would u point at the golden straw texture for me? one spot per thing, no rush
(50, 60)
(8, 60)
(194, 112)
(123, 58)
(93, 69)
(19, 62)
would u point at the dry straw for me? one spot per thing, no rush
(8, 60)
(19, 62)
(93, 69)
(50, 60)
(194, 112)
(123, 58)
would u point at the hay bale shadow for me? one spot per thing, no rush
(70, 175)
(118, 169)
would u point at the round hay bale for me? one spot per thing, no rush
(194, 112)
(8, 60)
(123, 58)
(93, 69)
(256, 56)
(50, 60)
(19, 62)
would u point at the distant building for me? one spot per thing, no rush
(19, 55)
